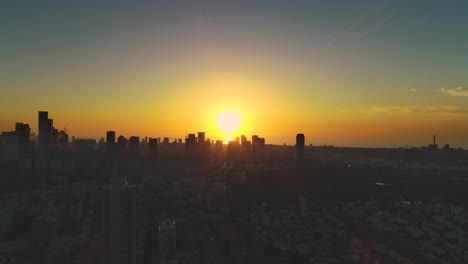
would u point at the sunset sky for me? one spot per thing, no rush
(348, 73)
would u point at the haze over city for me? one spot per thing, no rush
(354, 73)
(233, 132)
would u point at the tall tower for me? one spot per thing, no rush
(119, 222)
(134, 145)
(23, 132)
(201, 137)
(153, 148)
(110, 137)
(45, 131)
(300, 146)
(190, 145)
(167, 241)
(110, 141)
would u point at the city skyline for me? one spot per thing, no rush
(357, 73)
(61, 138)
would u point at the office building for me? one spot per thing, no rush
(45, 131)
(190, 146)
(201, 138)
(23, 132)
(219, 149)
(54, 138)
(167, 241)
(153, 148)
(203, 147)
(234, 149)
(110, 141)
(134, 145)
(119, 222)
(300, 147)
(246, 148)
(63, 140)
(122, 143)
(258, 147)
(110, 137)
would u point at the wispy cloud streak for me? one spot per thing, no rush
(431, 109)
(459, 91)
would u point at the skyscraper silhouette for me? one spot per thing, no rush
(201, 137)
(258, 147)
(190, 146)
(153, 148)
(110, 137)
(119, 222)
(110, 141)
(134, 145)
(63, 140)
(45, 131)
(300, 147)
(23, 132)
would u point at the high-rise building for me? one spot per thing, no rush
(201, 137)
(63, 140)
(134, 145)
(234, 149)
(246, 148)
(219, 149)
(110, 137)
(153, 148)
(23, 132)
(167, 241)
(190, 146)
(300, 147)
(258, 147)
(119, 222)
(54, 138)
(45, 131)
(121, 143)
(110, 141)
(203, 147)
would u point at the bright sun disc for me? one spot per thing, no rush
(228, 121)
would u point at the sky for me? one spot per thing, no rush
(345, 73)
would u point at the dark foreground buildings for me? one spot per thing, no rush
(119, 222)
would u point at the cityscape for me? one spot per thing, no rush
(234, 132)
(196, 200)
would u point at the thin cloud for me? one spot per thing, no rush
(412, 90)
(459, 91)
(400, 110)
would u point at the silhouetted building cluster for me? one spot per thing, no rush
(50, 139)
(241, 149)
(197, 148)
(17, 144)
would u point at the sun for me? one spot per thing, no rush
(229, 121)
